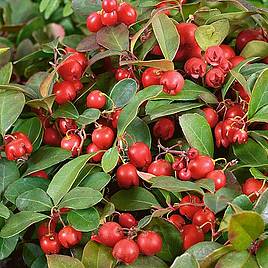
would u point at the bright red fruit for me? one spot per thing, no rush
(218, 177)
(92, 148)
(172, 82)
(164, 128)
(236, 60)
(139, 155)
(64, 92)
(70, 70)
(192, 153)
(178, 164)
(126, 14)
(205, 218)
(109, 5)
(195, 67)
(103, 137)
(109, 19)
(127, 176)
(50, 244)
(225, 65)
(215, 78)
(201, 166)
(66, 124)
(211, 116)
(192, 205)
(126, 251)
(95, 99)
(149, 242)
(156, 51)
(110, 233)
(242, 92)
(151, 76)
(77, 85)
(184, 174)
(94, 23)
(121, 74)
(51, 137)
(43, 228)
(253, 188)
(80, 58)
(127, 220)
(191, 235)
(228, 51)
(115, 117)
(40, 174)
(214, 55)
(235, 111)
(69, 237)
(177, 220)
(160, 167)
(71, 142)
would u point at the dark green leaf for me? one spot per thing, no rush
(145, 261)
(255, 48)
(261, 115)
(215, 203)
(89, 116)
(262, 256)
(96, 180)
(110, 159)
(4, 211)
(7, 246)
(185, 260)
(63, 261)
(66, 110)
(85, 7)
(5, 73)
(108, 210)
(207, 184)
(30, 253)
(261, 206)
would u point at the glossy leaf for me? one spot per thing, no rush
(30, 253)
(5, 73)
(89, 116)
(4, 211)
(145, 261)
(63, 261)
(96, 180)
(66, 110)
(261, 255)
(110, 159)
(255, 49)
(185, 260)
(261, 206)
(261, 115)
(7, 246)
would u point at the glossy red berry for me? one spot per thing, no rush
(139, 155)
(184, 174)
(211, 116)
(235, 111)
(172, 82)
(236, 60)
(218, 177)
(201, 166)
(215, 78)
(225, 65)
(109, 19)
(178, 164)
(228, 51)
(94, 23)
(66, 124)
(110, 233)
(80, 58)
(177, 220)
(160, 167)
(42, 229)
(191, 235)
(127, 176)
(109, 5)
(92, 148)
(126, 14)
(50, 244)
(77, 85)
(71, 142)
(115, 117)
(126, 251)
(64, 92)
(40, 174)
(192, 153)
(149, 242)
(205, 219)
(253, 188)
(103, 137)
(214, 55)
(151, 76)
(164, 128)
(156, 51)
(70, 70)
(195, 67)
(192, 205)
(69, 237)
(51, 137)
(240, 136)
(96, 99)
(127, 220)
(242, 92)
(121, 74)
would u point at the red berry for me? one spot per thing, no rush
(92, 148)
(195, 67)
(43, 228)
(184, 174)
(66, 124)
(225, 65)
(236, 60)
(235, 111)
(140, 155)
(191, 235)
(164, 128)
(94, 23)
(253, 188)
(201, 166)
(109, 5)
(218, 177)
(160, 167)
(211, 116)
(121, 74)
(64, 92)
(177, 220)
(51, 137)
(80, 58)
(127, 220)
(156, 51)
(149, 242)
(103, 137)
(115, 117)
(192, 153)
(96, 99)
(71, 142)
(228, 51)
(220, 138)
(126, 251)
(126, 14)
(77, 85)
(215, 78)
(151, 76)
(70, 70)
(109, 19)
(69, 237)
(193, 205)
(178, 164)
(127, 176)
(50, 244)
(187, 33)
(172, 82)
(205, 218)
(40, 174)
(242, 92)
(240, 136)
(214, 55)
(110, 233)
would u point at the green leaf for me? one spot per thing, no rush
(30, 253)
(5, 73)
(257, 174)
(4, 211)
(102, 55)
(8, 173)
(213, 34)
(198, 133)
(7, 246)
(172, 184)
(66, 110)
(110, 159)
(11, 106)
(261, 115)
(171, 237)
(65, 178)
(166, 34)
(114, 38)
(108, 210)
(41, 261)
(51, 8)
(207, 184)
(130, 112)
(80, 198)
(82, 7)
(19, 222)
(255, 48)
(123, 91)
(134, 199)
(185, 260)
(63, 261)
(88, 117)
(45, 103)
(96, 180)
(85, 220)
(261, 206)
(259, 97)
(46, 157)
(23, 185)
(261, 255)
(145, 261)
(97, 256)
(35, 200)
(244, 228)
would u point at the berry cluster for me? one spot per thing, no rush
(111, 14)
